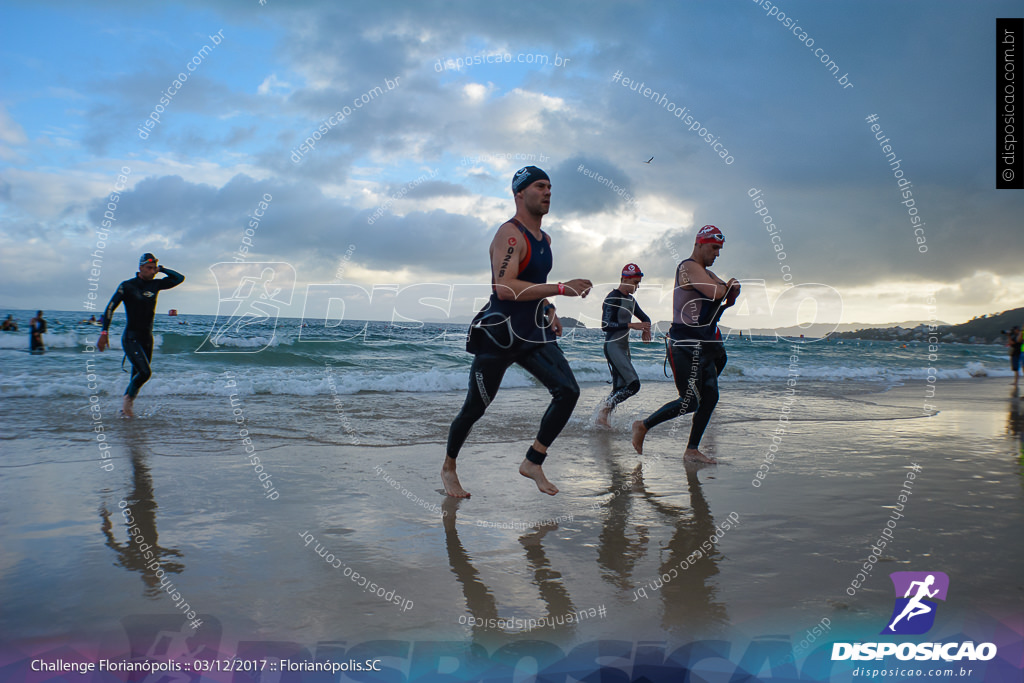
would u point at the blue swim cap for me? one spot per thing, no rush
(526, 176)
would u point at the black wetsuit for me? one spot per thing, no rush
(139, 298)
(616, 314)
(697, 356)
(36, 328)
(530, 344)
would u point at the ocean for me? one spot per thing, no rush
(288, 483)
(283, 358)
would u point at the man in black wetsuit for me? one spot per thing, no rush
(519, 325)
(616, 321)
(36, 328)
(695, 345)
(139, 297)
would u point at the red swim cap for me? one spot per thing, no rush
(631, 270)
(709, 234)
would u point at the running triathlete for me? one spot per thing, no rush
(617, 314)
(519, 325)
(139, 297)
(695, 348)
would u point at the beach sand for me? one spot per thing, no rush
(361, 479)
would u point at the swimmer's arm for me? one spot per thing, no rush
(708, 285)
(639, 313)
(555, 322)
(115, 301)
(173, 279)
(645, 322)
(508, 248)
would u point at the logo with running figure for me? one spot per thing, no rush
(246, 320)
(914, 611)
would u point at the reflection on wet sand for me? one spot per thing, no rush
(486, 623)
(690, 608)
(1015, 426)
(617, 553)
(135, 554)
(689, 598)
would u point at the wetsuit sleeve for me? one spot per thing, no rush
(115, 301)
(173, 279)
(610, 313)
(639, 312)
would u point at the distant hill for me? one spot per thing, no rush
(571, 323)
(983, 329)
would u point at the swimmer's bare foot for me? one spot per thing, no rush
(602, 417)
(639, 432)
(126, 407)
(694, 454)
(532, 470)
(451, 480)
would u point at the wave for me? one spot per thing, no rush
(342, 380)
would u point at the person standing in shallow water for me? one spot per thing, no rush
(36, 329)
(695, 348)
(139, 298)
(518, 325)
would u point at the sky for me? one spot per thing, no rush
(420, 113)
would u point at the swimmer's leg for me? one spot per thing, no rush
(549, 366)
(139, 353)
(686, 375)
(708, 384)
(485, 377)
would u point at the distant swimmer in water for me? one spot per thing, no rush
(617, 314)
(695, 348)
(518, 325)
(9, 325)
(36, 329)
(915, 607)
(91, 321)
(139, 298)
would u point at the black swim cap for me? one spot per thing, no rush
(527, 175)
(147, 258)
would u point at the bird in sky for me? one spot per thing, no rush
(649, 160)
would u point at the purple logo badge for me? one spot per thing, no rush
(914, 611)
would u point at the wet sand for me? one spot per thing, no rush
(749, 561)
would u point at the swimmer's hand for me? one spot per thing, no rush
(104, 342)
(733, 292)
(579, 287)
(556, 324)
